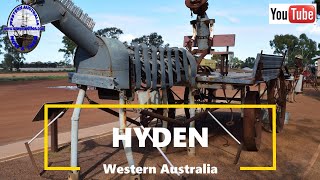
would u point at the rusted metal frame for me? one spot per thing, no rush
(36, 169)
(165, 114)
(227, 62)
(233, 97)
(137, 65)
(214, 86)
(114, 113)
(176, 94)
(54, 135)
(265, 90)
(123, 126)
(226, 80)
(242, 96)
(222, 65)
(252, 123)
(173, 121)
(236, 160)
(231, 135)
(192, 112)
(228, 100)
(146, 62)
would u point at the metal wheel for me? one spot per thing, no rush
(251, 123)
(277, 95)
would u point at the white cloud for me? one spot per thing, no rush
(310, 28)
(126, 37)
(226, 15)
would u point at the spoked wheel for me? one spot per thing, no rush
(251, 123)
(277, 95)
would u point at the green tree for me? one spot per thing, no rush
(249, 62)
(285, 43)
(68, 49)
(154, 39)
(294, 46)
(8, 62)
(12, 58)
(236, 62)
(307, 48)
(111, 32)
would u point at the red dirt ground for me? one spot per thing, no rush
(20, 101)
(298, 145)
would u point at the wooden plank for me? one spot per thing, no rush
(269, 74)
(222, 40)
(227, 80)
(271, 62)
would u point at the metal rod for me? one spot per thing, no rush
(224, 128)
(54, 137)
(123, 126)
(36, 169)
(75, 128)
(165, 114)
(192, 111)
(161, 152)
(114, 113)
(56, 118)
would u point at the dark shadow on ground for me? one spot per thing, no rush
(312, 93)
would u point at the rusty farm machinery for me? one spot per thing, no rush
(118, 72)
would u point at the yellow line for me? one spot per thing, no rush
(274, 138)
(181, 106)
(176, 106)
(63, 169)
(257, 168)
(46, 157)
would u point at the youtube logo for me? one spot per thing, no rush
(292, 14)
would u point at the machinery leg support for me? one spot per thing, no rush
(74, 133)
(166, 114)
(243, 96)
(123, 126)
(192, 150)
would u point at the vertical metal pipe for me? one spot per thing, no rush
(192, 111)
(75, 127)
(165, 113)
(243, 96)
(54, 136)
(123, 126)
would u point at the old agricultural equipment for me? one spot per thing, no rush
(118, 72)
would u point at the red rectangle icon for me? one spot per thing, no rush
(302, 14)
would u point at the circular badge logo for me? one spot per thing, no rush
(24, 28)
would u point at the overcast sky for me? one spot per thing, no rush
(247, 19)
